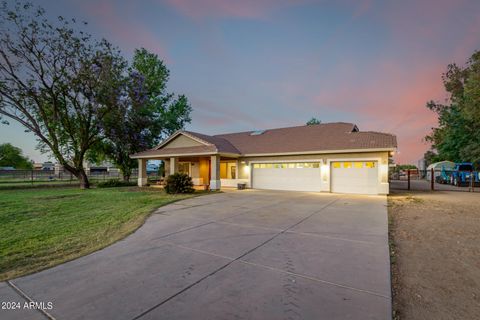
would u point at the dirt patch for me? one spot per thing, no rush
(435, 248)
(57, 197)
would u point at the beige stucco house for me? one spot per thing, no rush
(330, 157)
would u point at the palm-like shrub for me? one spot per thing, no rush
(179, 183)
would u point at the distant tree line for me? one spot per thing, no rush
(79, 96)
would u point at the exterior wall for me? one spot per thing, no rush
(182, 141)
(203, 170)
(244, 167)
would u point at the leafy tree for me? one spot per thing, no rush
(144, 115)
(431, 157)
(11, 156)
(457, 137)
(53, 80)
(313, 121)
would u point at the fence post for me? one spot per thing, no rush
(472, 181)
(31, 175)
(408, 179)
(432, 179)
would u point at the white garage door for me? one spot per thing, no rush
(298, 176)
(354, 177)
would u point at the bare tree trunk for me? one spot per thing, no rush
(82, 176)
(126, 173)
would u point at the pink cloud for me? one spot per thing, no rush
(228, 8)
(130, 34)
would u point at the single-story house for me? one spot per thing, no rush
(329, 157)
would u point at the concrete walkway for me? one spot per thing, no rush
(234, 255)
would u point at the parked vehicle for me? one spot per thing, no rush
(463, 174)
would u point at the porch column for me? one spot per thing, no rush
(173, 165)
(215, 173)
(166, 171)
(142, 172)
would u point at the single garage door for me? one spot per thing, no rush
(354, 177)
(298, 176)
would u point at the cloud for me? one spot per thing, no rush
(123, 30)
(253, 9)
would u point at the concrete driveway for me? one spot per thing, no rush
(234, 255)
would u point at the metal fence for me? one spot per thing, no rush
(435, 180)
(51, 177)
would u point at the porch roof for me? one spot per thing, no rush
(175, 152)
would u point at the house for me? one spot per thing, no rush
(330, 157)
(45, 166)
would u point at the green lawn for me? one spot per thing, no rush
(40, 228)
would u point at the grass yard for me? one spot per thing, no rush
(41, 228)
(435, 239)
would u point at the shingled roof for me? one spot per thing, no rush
(338, 136)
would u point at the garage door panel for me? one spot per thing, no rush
(292, 179)
(360, 177)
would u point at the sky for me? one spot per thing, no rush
(259, 64)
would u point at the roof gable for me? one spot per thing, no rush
(182, 141)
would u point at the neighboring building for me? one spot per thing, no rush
(152, 167)
(93, 168)
(330, 157)
(45, 166)
(421, 164)
(101, 167)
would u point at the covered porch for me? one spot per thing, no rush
(210, 171)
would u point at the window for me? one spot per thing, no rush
(277, 165)
(316, 165)
(300, 165)
(268, 166)
(347, 165)
(370, 164)
(233, 172)
(256, 166)
(284, 166)
(184, 167)
(291, 165)
(358, 165)
(336, 165)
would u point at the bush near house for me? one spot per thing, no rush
(179, 183)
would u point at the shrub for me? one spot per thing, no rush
(116, 183)
(179, 183)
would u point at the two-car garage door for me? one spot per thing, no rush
(345, 176)
(294, 176)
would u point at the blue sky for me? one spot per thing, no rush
(248, 65)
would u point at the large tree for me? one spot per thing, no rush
(144, 113)
(11, 156)
(457, 138)
(53, 80)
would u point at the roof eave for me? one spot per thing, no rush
(319, 152)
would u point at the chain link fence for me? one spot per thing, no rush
(435, 180)
(18, 178)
